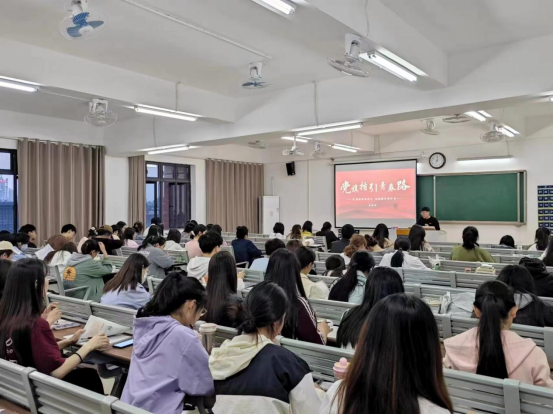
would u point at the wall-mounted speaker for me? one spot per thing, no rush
(291, 168)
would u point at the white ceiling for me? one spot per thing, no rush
(455, 25)
(143, 42)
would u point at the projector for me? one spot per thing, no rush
(292, 152)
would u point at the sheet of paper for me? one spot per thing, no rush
(96, 325)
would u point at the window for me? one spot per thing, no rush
(168, 194)
(8, 190)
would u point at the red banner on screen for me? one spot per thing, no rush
(375, 194)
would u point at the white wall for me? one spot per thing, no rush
(117, 189)
(309, 194)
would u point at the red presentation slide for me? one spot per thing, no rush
(366, 197)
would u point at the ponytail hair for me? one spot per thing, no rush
(494, 300)
(361, 261)
(401, 245)
(152, 240)
(470, 237)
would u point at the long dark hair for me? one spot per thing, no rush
(68, 247)
(521, 282)
(548, 259)
(336, 264)
(21, 306)
(138, 227)
(416, 237)
(172, 293)
(402, 245)
(154, 230)
(278, 228)
(5, 265)
(174, 235)
(307, 226)
(128, 235)
(326, 226)
(507, 240)
(542, 238)
(152, 240)
(265, 305)
(130, 274)
(284, 270)
(221, 285)
(381, 233)
(382, 282)
(360, 261)
(305, 256)
(397, 361)
(495, 300)
(470, 237)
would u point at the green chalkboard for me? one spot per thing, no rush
(425, 192)
(483, 197)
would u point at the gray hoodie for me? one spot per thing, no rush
(159, 261)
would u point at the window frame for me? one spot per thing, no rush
(13, 172)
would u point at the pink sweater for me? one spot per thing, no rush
(525, 361)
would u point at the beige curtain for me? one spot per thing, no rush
(233, 190)
(59, 184)
(137, 189)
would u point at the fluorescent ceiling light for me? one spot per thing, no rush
(506, 132)
(279, 5)
(339, 147)
(476, 115)
(299, 140)
(551, 98)
(170, 150)
(485, 114)
(166, 113)
(389, 65)
(511, 129)
(484, 158)
(21, 81)
(326, 125)
(161, 147)
(18, 85)
(332, 129)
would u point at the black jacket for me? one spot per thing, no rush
(543, 280)
(339, 246)
(329, 235)
(431, 221)
(532, 311)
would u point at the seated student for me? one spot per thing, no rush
(20, 242)
(470, 251)
(301, 322)
(6, 250)
(31, 231)
(152, 248)
(210, 243)
(307, 229)
(224, 290)
(491, 349)
(547, 256)
(55, 243)
(541, 240)
(372, 244)
(188, 233)
(401, 258)
(217, 228)
(82, 270)
(168, 360)
(417, 236)
(105, 235)
(396, 368)
(173, 241)
(506, 242)
(339, 246)
(4, 268)
(122, 226)
(278, 231)
(356, 243)
(260, 264)
(251, 373)
(293, 244)
(60, 258)
(126, 289)
(381, 283)
(335, 266)
(351, 287)
(543, 280)
(154, 221)
(295, 233)
(69, 231)
(381, 234)
(193, 246)
(531, 310)
(117, 234)
(244, 249)
(139, 230)
(329, 235)
(314, 290)
(129, 238)
(25, 333)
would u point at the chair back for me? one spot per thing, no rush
(153, 283)
(72, 309)
(15, 385)
(119, 315)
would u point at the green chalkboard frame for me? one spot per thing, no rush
(521, 196)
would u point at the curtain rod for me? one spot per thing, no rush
(66, 143)
(237, 162)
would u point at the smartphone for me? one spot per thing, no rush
(124, 344)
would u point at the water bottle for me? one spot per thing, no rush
(207, 330)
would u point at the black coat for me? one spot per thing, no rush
(329, 235)
(339, 246)
(543, 280)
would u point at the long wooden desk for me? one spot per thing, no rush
(121, 355)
